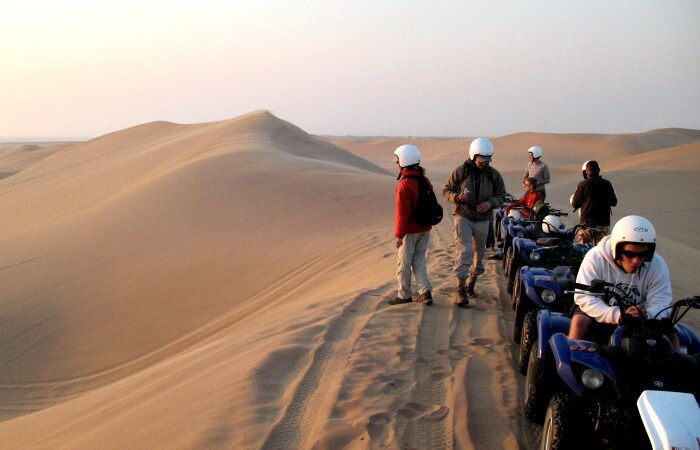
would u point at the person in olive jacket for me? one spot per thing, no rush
(475, 189)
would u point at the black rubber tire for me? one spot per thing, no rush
(559, 429)
(518, 316)
(527, 337)
(508, 270)
(536, 397)
(506, 245)
(517, 291)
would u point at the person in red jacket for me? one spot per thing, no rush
(411, 238)
(532, 196)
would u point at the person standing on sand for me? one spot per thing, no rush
(475, 189)
(411, 238)
(596, 197)
(537, 169)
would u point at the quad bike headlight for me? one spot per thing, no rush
(548, 296)
(534, 256)
(592, 379)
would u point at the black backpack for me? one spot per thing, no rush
(428, 211)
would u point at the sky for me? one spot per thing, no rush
(73, 69)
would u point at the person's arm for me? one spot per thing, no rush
(577, 199)
(499, 191)
(405, 200)
(659, 294)
(451, 190)
(613, 197)
(545, 175)
(592, 268)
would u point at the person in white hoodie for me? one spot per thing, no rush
(628, 259)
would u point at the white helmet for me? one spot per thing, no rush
(633, 229)
(551, 224)
(583, 170)
(536, 151)
(481, 147)
(408, 155)
(515, 214)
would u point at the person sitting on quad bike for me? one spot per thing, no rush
(628, 259)
(531, 197)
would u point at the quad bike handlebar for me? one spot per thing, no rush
(624, 300)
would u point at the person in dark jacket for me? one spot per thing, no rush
(475, 189)
(595, 197)
(411, 238)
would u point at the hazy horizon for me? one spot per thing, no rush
(389, 69)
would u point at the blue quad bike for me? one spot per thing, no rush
(544, 270)
(531, 228)
(502, 227)
(500, 216)
(539, 288)
(587, 392)
(556, 248)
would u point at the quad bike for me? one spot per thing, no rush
(543, 271)
(531, 228)
(538, 288)
(588, 392)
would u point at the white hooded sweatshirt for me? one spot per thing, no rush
(650, 285)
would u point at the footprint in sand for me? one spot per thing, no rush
(420, 411)
(378, 427)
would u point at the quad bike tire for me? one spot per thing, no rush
(527, 336)
(559, 429)
(522, 306)
(508, 263)
(516, 291)
(535, 403)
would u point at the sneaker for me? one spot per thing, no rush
(461, 298)
(426, 298)
(399, 301)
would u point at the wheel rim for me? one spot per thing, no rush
(547, 433)
(530, 374)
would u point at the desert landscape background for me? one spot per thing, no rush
(222, 285)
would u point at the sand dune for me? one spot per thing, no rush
(222, 285)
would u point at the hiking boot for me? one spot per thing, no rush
(426, 298)
(496, 256)
(461, 298)
(470, 290)
(399, 301)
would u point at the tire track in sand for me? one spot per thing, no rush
(297, 425)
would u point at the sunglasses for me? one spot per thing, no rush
(526, 185)
(631, 255)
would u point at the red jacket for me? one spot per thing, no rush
(405, 200)
(529, 200)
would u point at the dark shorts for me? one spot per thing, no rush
(597, 332)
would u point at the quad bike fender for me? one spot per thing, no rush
(548, 324)
(514, 227)
(522, 247)
(672, 419)
(533, 280)
(570, 353)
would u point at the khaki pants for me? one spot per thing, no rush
(470, 246)
(584, 236)
(412, 257)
